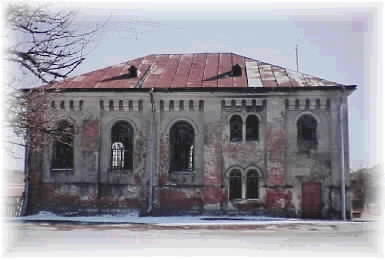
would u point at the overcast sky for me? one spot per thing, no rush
(337, 43)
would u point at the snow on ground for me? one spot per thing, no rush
(133, 218)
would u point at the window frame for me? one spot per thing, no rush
(257, 177)
(191, 158)
(240, 183)
(244, 117)
(247, 138)
(244, 183)
(231, 123)
(54, 148)
(130, 143)
(313, 144)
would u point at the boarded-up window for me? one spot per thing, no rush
(252, 128)
(121, 145)
(252, 191)
(307, 133)
(235, 185)
(236, 129)
(63, 156)
(182, 147)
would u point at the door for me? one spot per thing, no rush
(311, 200)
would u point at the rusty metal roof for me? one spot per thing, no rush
(191, 71)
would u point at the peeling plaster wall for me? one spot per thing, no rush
(92, 186)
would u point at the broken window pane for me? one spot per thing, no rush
(252, 128)
(307, 133)
(121, 146)
(182, 147)
(252, 185)
(235, 185)
(236, 128)
(62, 157)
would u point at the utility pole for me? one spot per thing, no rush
(343, 181)
(296, 55)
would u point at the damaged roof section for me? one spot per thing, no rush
(193, 70)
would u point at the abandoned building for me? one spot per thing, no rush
(202, 133)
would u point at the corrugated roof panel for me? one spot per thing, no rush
(154, 72)
(267, 75)
(296, 78)
(94, 80)
(181, 75)
(311, 81)
(167, 77)
(197, 69)
(242, 80)
(329, 83)
(77, 83)
(157, 69)
(129, 82)
(281, 77)
(253, 76)
(225, 67)
(149, 59)
(149, 79)
(211, 71)
(143, 68)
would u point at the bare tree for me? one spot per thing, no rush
(31, 120)
(46, 45)
(49, 46)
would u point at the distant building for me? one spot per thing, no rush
(214, 133)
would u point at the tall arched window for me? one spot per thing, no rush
(63, 155)
(235, 185)
(252, 128)
(252, 185)
(122, 146)
(236, 128)
(307, 133)
(182, 147)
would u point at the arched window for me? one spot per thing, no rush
(307, 133)
(182, 147)
(236, 128)
(235, 185)
(252, 190)
(252, 128)
(63, 156)
(121, 146)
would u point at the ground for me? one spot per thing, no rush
(242, 238)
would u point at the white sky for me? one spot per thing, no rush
(337, 42)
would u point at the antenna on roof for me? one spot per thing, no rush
(296, 54)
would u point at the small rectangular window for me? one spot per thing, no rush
(252, 185)
(235, 185)
(201, 106)
(62, 157)
(236, 126)
(191, 105)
